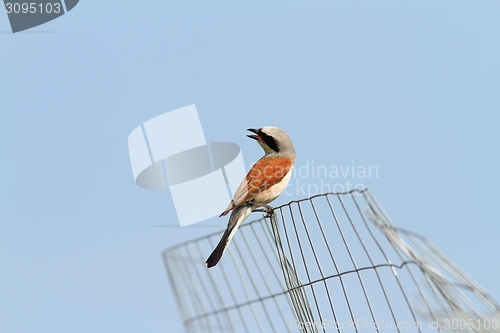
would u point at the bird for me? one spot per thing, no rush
(265, 181)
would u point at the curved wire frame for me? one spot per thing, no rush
(331, 262)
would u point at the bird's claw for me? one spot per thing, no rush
(269, 213)
(265, 209)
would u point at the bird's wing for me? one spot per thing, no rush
(264, 174)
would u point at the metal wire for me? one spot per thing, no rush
(331, 262)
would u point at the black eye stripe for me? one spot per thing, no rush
(269, 140)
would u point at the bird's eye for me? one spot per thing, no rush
(269, 140)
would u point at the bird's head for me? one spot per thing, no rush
(273, 140)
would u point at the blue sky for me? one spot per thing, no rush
(410, 87)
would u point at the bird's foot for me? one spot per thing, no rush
(265, 209)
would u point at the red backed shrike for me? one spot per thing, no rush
(265, 181)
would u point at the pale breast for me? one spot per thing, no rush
(274, 191)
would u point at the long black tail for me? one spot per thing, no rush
(214, 258)
(238, 215)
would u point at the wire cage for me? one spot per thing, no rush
(331, 262)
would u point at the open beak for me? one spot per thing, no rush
(255, 137)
